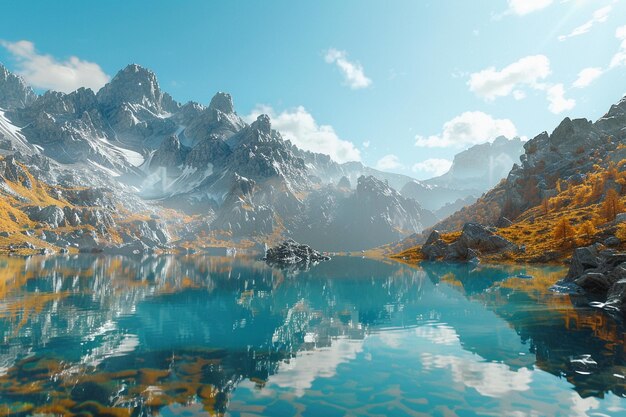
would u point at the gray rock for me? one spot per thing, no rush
(136, 247)
(601, 273)
(593, 282)
(474, 240)
(583, 259)
(612, 242)
(291, 252)
(616, 296)
(13, 171)
(54, 216)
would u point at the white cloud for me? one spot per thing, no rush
(299, 126)
(366, 144)
(619, 59)
(519, 95)
(433, 166)
(298, 374)
(587, 76)
(439, 334)
(468, 128)
(388, 162)
(557, 101)
(353, 73)
(490, 379)
(45, 71)
(599, 16)
(524, 7)
(528, 71)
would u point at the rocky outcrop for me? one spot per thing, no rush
(475, 239)
(135, 85)
(600, 274)
(12, 171)
(291, 252)
(54, 216)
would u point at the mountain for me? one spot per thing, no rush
(202, 168)
(550, 163)
(568, 191)
(473, 172)
(373, 213)
(482, 166)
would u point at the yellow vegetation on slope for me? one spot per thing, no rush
(574, 217)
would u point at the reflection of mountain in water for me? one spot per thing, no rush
(567, 339)
(118, 329)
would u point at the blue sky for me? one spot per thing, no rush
(402, 85)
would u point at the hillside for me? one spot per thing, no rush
(576, 216)
(36, 217)
(550, 164)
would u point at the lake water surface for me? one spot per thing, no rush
(195, 335)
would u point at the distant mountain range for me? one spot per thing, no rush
(550, 164)
(237, 181)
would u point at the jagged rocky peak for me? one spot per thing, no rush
(618, 109)
(263, 124)
(569, 131)
(613, 121)
(370, 184)
(135, 85)
(222, 102)
(14, 92)
(55, 102)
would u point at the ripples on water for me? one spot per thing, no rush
(90, 335)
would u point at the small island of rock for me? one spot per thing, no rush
(291, 252)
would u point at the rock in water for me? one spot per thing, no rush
(598, 273)
(291, 252)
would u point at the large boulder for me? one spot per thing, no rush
(434, 248)
(478, 237)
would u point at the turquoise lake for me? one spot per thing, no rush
(198, 335)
